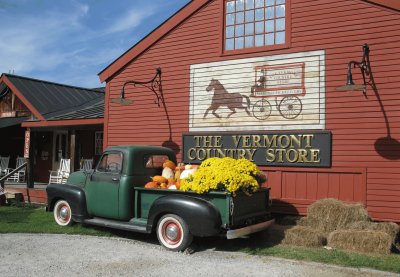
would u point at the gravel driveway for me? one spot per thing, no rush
(65, 255)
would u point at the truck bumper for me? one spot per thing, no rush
(233, 234)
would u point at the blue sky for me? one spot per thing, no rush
(71, 41)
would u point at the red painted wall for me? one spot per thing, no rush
(358, 123)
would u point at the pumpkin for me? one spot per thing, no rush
(185, 174)
(171, 181)
(178, 184)
(163, 185)
(151, 185)
(177, 173)
(169, 164)
(159, 179)
(180, 167)
(171, 187)
(168, 173)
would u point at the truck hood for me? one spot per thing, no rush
(79, 178)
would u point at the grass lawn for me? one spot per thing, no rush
(36, 220)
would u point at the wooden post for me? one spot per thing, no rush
(72, 149)
(29, 155)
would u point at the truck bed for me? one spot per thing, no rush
(236, 211)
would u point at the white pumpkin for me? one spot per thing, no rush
(167, 173)
(185, 174)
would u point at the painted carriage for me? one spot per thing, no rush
(281, 85)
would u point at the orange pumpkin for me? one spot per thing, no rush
(178, 184)
(169, 164)
(163, 185)
(159, 179)
(171, 181)
(151, 185)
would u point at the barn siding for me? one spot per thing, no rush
(356, 121)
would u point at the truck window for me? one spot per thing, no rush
(110, 162)
(155, 161)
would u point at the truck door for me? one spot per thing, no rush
(103, 188)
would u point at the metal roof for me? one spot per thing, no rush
(51, 98)
(11, 121)
(91, 110)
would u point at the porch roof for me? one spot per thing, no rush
(11, 121)
(50, 102)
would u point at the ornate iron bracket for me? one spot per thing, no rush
(153, 85)
(363, 66)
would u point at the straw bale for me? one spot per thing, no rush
(327, 215)
(390, 228)
(304, 236)
(288, 220)
(366, 241)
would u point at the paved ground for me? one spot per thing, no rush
(62, 255)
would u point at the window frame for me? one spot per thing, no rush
(255, 49)
(110, 172)
(98, 143)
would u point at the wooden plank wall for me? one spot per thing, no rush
(37, 196)
(360, 124)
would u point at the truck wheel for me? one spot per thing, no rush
(62, 213)
(173, 233)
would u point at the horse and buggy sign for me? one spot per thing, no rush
(275, 92)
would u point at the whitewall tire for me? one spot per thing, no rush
(173, 233)
(63, 213)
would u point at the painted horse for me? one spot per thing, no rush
(222, 97)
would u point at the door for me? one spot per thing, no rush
(102, 190)
(60, 148)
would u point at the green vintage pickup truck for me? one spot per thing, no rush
(113, 195)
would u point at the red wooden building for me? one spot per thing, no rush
(264, 79)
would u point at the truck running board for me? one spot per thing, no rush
(116, 224)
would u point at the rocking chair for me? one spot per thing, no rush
(4, 165)
(61, 175)
(86, 164)
(20, 174)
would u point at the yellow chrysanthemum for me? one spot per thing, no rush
(226, 174)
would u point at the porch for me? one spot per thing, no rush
(36, 195)
(46, 122)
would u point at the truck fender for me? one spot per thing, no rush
(202, 217)
(75, 196)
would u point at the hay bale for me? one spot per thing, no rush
(304, 236)
(390, 228)
(288, 220)
(361, 241)
(328, 215)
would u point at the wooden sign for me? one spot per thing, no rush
(295, 149)
(275, 92)
(27, 143)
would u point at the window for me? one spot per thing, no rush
(255, 23)
(110, 162)
(98, 143)
(155, 161)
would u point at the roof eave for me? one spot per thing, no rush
(56, 123)
(4, 79)
(151, 38)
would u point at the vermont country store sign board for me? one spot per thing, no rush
(298, 149)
